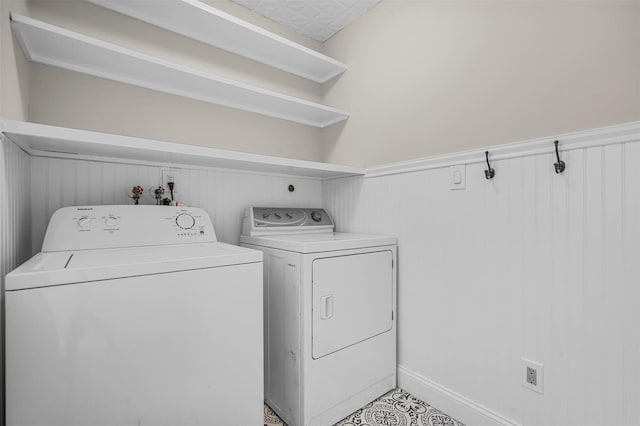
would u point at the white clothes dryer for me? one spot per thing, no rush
(330, 326)
(135, 315)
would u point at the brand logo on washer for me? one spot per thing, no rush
(85, 208)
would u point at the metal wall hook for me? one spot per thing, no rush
(560, 165)
(489, 173)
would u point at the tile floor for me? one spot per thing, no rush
(396, 408)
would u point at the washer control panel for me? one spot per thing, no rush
(279, 220)
(92, 227)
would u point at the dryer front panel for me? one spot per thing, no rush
(352, 300)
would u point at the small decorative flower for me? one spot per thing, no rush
(136, 192)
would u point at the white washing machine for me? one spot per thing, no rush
(330, 327)
(135, 315)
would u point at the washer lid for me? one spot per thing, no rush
(314, 243)
(68, 267)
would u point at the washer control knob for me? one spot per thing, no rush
(84, 222)
(316, 216)
(265, 215)
(185, 221)
(111, 221)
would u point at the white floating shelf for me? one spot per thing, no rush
(58, 47)
(52, 141)
(204, 23)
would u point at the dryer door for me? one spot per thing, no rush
(352, 300)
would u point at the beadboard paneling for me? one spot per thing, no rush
(15, 223)
(530, 264)
(224, 194)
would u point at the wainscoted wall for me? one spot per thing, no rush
(225, 194)
(15, 204)
(15, 223)
(528, 265)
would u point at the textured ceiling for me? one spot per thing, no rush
(318, 19)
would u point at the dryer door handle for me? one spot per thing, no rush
(326, 307)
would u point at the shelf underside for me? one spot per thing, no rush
(39, 139)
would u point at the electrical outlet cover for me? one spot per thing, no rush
(532, 374)
(170, 175)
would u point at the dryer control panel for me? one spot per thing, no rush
(282, 220)
(99, 227)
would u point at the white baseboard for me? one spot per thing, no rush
(457, 406)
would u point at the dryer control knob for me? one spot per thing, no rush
(185, 221)
(316, 216)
